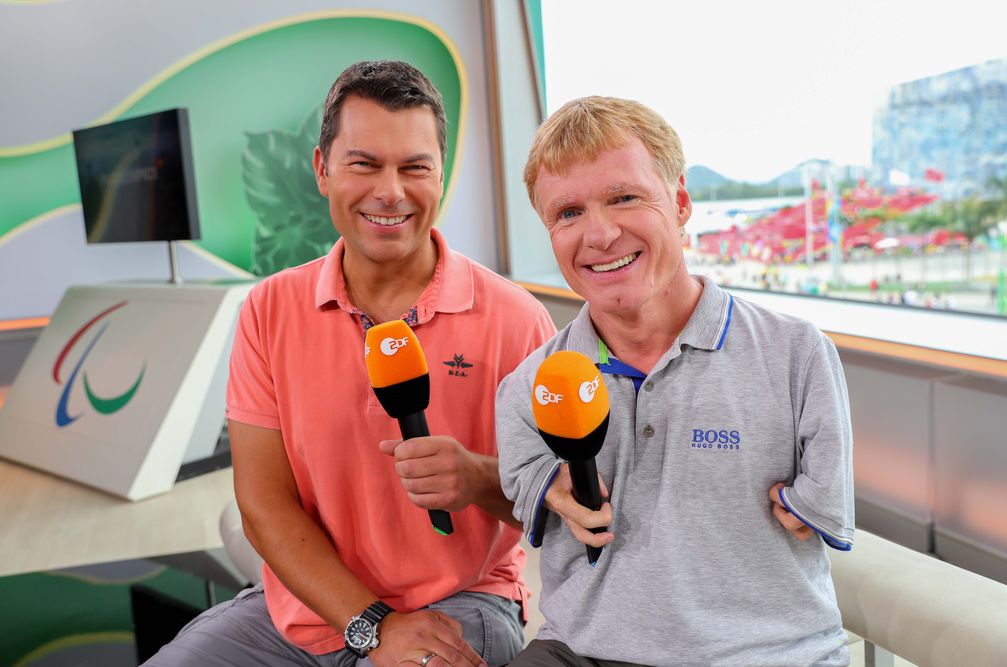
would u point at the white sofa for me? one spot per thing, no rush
(919, 608)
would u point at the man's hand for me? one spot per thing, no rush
(408, 638)
(794, 526)
(579, 519)
(437, 472)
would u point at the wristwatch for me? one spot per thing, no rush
(361, 633)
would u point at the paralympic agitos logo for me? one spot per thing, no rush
(105, 406)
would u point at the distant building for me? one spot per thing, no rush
(948, 132)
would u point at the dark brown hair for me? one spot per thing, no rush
(393, 84)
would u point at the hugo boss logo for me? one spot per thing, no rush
(389, 346)
(545, 397)
(715, 439)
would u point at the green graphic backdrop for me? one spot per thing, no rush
(261, 95)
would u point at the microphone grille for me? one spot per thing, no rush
(569, 398)
(393, 354)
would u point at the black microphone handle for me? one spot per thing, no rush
(415, 426)
(587, 492)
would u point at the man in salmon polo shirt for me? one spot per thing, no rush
(330, 497)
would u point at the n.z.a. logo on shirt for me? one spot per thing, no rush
(715, 438)
(458, 366)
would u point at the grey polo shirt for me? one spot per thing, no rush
(700, 571)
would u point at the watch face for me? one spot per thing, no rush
(359, 633)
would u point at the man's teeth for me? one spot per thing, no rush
(385, 221)
(611, 266)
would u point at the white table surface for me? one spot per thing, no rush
(47, 522)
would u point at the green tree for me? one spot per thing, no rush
(997, 185)
(974, 217)
(925, 221)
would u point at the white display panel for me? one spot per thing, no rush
(124, 384)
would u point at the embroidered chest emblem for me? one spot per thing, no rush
(457, 366)
(715, 438)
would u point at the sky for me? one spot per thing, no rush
(754, 88)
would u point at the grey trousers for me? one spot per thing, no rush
(552, 653)
(240, 633)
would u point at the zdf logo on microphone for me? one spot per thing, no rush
(587, 389)
(545, 397)
(389, 346)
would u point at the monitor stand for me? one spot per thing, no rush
(176, 277)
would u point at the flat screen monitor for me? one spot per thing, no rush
(136, 179)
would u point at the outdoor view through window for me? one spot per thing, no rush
(847, 149)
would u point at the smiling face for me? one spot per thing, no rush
(616, 229)
(384, 180)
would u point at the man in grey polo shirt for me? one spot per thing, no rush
(728, 457)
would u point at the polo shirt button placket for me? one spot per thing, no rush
(648, 431)
(649, 386)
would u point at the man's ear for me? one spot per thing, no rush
(321, 175)
(684, 201)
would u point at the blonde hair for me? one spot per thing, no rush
(581, 129)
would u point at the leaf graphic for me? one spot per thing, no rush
(294, 225)
(450, 363)
(311, 127)
(464, 364)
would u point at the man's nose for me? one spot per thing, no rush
(601, 231)
(389, 190)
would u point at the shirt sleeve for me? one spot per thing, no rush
(251, 396)
(527, 466)
(822, 493)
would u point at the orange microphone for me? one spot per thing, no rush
(570, 406)
(398, 374)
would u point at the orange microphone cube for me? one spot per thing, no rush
(393, 354)
(569, 398)
(397, 368)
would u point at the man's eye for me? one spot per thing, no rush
(417, 167)
(567, 214)
(362, 163)
(622, 199)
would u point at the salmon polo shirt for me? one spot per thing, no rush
(297, 365)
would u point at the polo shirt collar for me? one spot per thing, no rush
(706, 329)
(451, 289)
(710, 321)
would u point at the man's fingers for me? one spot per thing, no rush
(454, 625)
(456, 650)
(574, 511)
(417, 448)
(422, 485)
(794, 526)
(432, 501)
(788, 520)
(388, 446)
(457, 653)
(410, 638)
(427, 466)
(587, 537)
(460, 653)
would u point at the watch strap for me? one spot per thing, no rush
(375, 612)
